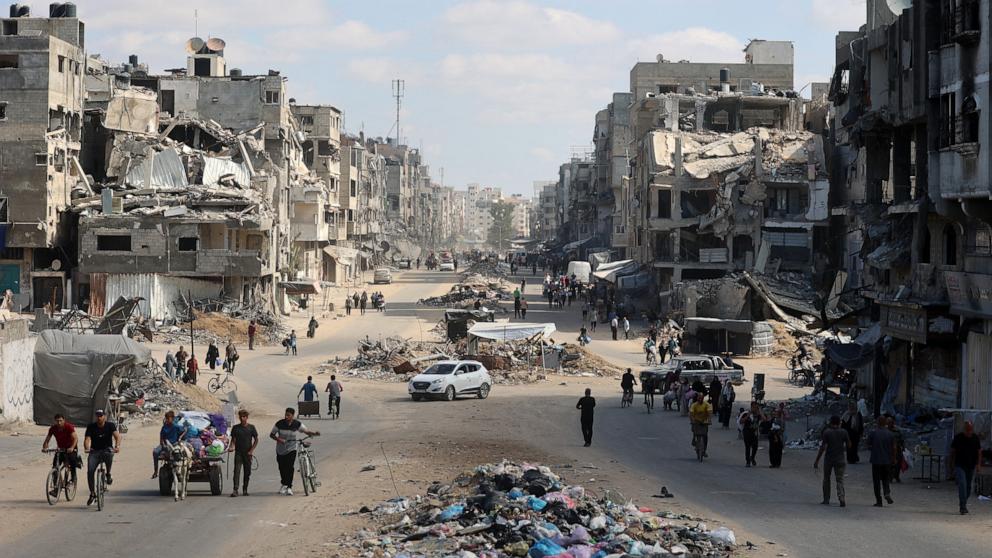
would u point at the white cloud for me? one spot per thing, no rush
(839, 15)
(375, 69)
(698, 44)
(520, 25)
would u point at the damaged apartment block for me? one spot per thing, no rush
(41, 111)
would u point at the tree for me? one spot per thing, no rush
(502, 228)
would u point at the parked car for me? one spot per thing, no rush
(447, 379)
(447, 265)
(382, 275)
(403, 264)
(691, 367)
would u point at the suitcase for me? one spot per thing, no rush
(308, 408)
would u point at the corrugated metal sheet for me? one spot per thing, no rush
(216, 167)
(164, 169)
(159, 291)
(977, 389)
(98, 294)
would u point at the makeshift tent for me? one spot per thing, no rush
(511, 332)
(610, 271)
(856, 354)
(72, 373)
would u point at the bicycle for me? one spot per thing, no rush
(216, 383)
(308, 471)
(627, 400)
(100, 481)
(699, 432)
(649, 401)
(59, 479)
(334, 407)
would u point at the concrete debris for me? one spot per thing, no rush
(488, 290)
(506, 509)
(147, 393)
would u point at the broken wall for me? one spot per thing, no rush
(158, 291)
(16, 371)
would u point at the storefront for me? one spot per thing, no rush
(970, 296)
(923, 363)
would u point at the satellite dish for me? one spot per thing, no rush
(897, 6)
(216, 44)
(384, 245)
(194, 45)
(56, 265)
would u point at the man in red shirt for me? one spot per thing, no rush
(65, 439)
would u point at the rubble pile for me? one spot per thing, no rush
(489, 290)
(488, 268)
(219, 326)
(503, 510)
(391, 358)
(147, 393)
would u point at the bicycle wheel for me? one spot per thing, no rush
(52, 487)
(100, 486)
(305, 474)
(231, 385)
(312, 479)
(69, 487)
(213, 385)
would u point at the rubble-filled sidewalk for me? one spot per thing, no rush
(506, 509)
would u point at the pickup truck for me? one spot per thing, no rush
(691, 367)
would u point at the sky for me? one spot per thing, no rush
(498, 92)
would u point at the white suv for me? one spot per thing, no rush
(448, 379)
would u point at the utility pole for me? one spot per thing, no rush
(399, 88)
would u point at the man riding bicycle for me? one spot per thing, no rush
(627, 383)
(102, 441)
(334, 389)
(647, 388)
(65, 439)
(171, 433)
(700, 416)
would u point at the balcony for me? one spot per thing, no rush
(309, 232)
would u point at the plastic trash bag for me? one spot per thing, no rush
(536, 504)
(452, 512)
(596, 523)
(722, 535)
(545, 548)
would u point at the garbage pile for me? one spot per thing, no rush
(147, 393)
(505, 509)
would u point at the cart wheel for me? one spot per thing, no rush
(164, 482)
(216, 481)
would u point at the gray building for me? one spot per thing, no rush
(42, 64)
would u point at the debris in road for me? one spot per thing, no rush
(508, 509)
(368, 468)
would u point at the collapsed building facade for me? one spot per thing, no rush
(910, 198)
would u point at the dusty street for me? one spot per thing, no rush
(416, 443)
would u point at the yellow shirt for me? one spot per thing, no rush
(700, 413)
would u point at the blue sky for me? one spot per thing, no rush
(496, 91)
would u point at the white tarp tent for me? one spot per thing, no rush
(610, 271)
(511, 332)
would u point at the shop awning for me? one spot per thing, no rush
(300, 287)
(511, 332)
(344, 255)
(573, 245)
(610, 271)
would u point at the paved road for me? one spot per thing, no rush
(639, 452)
(138, 518)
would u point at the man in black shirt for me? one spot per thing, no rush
(102, 442)
(244, 438)
(966, 459)
(586, 404)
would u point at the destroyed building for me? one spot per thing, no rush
(42, 64)
(910, 199)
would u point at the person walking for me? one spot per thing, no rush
(516, 306)
(212, 354)
(354, 300)
(418, 263)
(230, 356)
(594, 317)
(252, 330)
(586, 404)
(308, 391)
(523, 286)
(171, 365)
(286, 433)
(585, 313)
(626, 328)
(244, 439)
(715, 388)
(192, 369)
(347, 306)
(776, 445)
(292, 338)
(614, 325)
(726, 402)
(882, 443)
(523, 308)
(966, 462)
(900, 442)
(749, 423)
(854, 424)
(363, 302)
(683, 396)
(181, 357)
(833, 444)
(312, 326)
